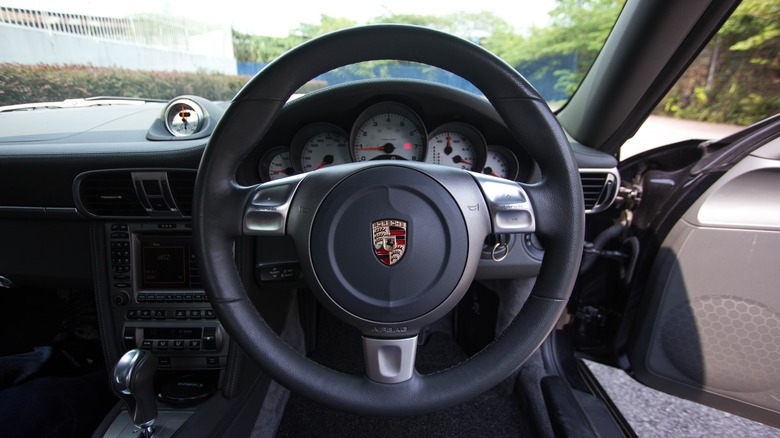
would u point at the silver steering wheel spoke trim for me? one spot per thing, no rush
(389, 360)
(269, 205)
(509, 205)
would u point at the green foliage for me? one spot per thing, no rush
(735, 78)
(577, 27)
(45, 83)
(473, 26)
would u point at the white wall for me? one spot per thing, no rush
(34, 46)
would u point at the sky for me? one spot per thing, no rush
(278, 18)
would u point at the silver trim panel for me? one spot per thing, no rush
(389, 360)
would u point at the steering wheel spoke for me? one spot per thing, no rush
(389, 360)
(511, 210)
(266, 211)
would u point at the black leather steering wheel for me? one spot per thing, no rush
(389, 246)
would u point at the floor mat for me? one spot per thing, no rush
(491, 414)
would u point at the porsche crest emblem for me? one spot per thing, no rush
(389, 237)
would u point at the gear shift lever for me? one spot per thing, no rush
(133, 382)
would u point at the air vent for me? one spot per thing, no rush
(158, 193)
(599, 188)
(182, 185)
(109, 194)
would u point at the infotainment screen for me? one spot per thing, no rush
(164, 265)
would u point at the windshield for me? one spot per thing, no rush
(68, 49)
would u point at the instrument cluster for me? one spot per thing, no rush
(388, 131)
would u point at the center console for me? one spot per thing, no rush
(157, 299)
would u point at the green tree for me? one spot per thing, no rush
(734, 79)
(474, 26)
(577, 28)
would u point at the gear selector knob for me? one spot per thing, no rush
(133, 382)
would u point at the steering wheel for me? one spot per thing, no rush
(388, 246)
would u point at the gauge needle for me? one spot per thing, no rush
(327, 159)
(387, 148)
(459, 159)
(288, 171)
(448, 149)
(489, 171)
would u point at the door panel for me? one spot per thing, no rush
(712, 326)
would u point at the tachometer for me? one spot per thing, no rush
(388, 131)
(276, 164)
(319, 145)
(456, 145)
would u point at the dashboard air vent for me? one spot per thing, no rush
(182, 185)
(599, 188)
(109, 194)
(122, 193)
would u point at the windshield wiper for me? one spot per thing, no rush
(81, 103)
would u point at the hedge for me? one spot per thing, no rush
(47, 83)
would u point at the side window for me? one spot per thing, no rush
(734, 82)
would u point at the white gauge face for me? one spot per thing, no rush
(183, 118)
(388, 136)
(451, 149)
(324, 150)
(280, 166)
(496, 164)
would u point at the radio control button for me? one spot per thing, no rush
(187, 298)
(120, 298)
(142, 298)
(178, 297)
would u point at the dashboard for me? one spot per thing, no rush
(108, 191)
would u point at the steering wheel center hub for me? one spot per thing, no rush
(389, 244)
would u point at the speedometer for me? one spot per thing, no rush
(388, 131)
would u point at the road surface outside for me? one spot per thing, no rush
(659, 131)
(652, 413)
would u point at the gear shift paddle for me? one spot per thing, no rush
(133, 382)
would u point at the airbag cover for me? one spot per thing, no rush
(343, 250)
